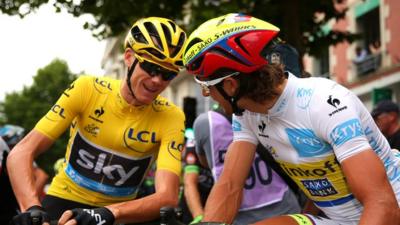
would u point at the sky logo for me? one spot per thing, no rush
(346, 131)
(236, 126)
(307, 143)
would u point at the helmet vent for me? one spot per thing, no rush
(179, 46)
(172, 25)
(138, 36)
(151, 29)
(167, 34)
(155, 53)
(237, 41)
(220, 51)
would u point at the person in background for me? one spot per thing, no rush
(386, 116)
(118, 128)
(10, 135)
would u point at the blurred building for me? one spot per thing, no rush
(376, 75)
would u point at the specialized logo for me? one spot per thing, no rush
(103, 170)
(346, 131)
(97, 112)
(333, 101)
(303, 96)
(69, 89)
(307, 143)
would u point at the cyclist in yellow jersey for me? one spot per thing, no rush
(117, 130)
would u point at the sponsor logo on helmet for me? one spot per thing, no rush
(205, 43)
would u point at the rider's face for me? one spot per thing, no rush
(145, 87)
(216, 95)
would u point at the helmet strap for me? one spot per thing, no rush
(129, 75)
(231, 99)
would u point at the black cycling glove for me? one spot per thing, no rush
(35, 215)
(96, 216)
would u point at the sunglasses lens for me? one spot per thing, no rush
(155, 70)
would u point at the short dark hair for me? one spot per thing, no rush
(261, 85)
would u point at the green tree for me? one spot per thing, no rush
(26, 107)
(296, 18)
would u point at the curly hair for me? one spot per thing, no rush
(261, 85)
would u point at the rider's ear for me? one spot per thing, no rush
(128, 57)
(231, 85)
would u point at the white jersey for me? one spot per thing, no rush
(314, 126)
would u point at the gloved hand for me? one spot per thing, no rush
(35, 215)
(96, 216)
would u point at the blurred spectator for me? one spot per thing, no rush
(10, 135)
(386, 116)
(361, 54)
(375, 47)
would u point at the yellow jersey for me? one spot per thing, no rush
(112, 144)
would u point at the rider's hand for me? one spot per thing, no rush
(197, 219)
(96, 216)
(35, 215)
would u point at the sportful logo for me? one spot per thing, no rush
(333, 101)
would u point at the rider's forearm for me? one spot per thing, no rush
(20, 170)
(223, 202)
(193, 200)
(380, 212)
(143, 209)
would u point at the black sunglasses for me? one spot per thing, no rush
(154, 70)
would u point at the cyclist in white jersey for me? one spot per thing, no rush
(317, 130)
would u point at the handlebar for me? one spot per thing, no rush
(172, 216)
